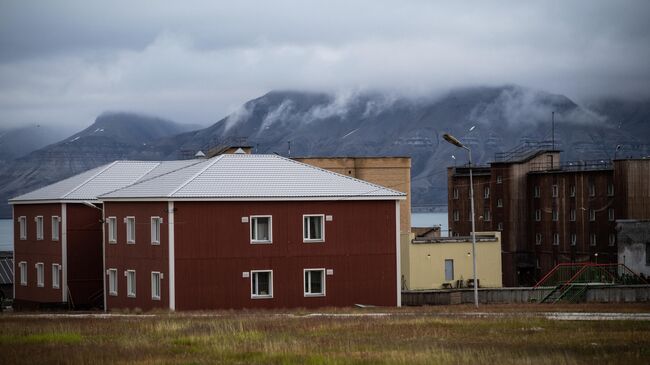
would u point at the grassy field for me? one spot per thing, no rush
(514, 334)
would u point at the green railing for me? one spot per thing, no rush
(569, 281)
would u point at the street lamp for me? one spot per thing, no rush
(453, 140)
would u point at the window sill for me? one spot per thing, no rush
(131, 296)
(261, 296)
(314, 295)
(40, 285)
(55, 287)
(155, 243)
(155, 298)
(130, 242)
(112, 242)
(312, 241)
(261, 242)
(113, 294)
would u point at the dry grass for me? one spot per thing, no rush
(427, 335)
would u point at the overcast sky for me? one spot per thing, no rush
(196, 61)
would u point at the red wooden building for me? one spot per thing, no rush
(58, 235)
(251, 231)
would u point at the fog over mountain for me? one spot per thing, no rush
(489, 119)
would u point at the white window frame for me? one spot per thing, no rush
(592, 239)
(305, 234)
(538, 215)
(156, 283)
(23, 272)
(610, 214)
(253, 221)
(130, 233)
(574, 239)
(556, 239)
(612, 239)
(538, 239)
(22, 223)
(112, 229)
(486, 215)
(112, 282)
(499, 203)
(499, 179)
(500, 226)
(592, 215)
(307, 283)
(455, 193)
(592, 189)
(56, 228)
(456, 215)
(555, 215)
(572, 215)
(572, 191)
(253, 276)
(486, 192)
(156, 222)
(131, 284)
(536, 191)
(39, 227)
(56, 276)
(554, 191)
(40, 274)
(610, 189)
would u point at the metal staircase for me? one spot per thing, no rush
(569, 281)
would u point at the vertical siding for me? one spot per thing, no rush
(143, 257)
(213, 249)
(32, 251)
(84, 251)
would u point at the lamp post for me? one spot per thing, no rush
(453, 140)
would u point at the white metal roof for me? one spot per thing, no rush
(90, 184)
(246, 177)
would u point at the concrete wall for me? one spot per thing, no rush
(427, 262)
(605, 294)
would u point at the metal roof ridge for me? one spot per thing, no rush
(89, 179)
(216, 159)
(378, 187)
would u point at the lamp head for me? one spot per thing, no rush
(453, 140)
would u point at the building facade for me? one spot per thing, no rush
(251, 231)
(548, 212)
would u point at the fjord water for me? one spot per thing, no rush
(6, 235)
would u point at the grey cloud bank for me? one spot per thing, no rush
(65, 62)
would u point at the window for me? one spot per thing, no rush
(556, 215)
(40, 275)
(486, 215)
(130, 230)
(56, 278)
(554, 191)
(499, 203)
(455, 193)
(23, 227)
(39, 227)
(261, 229)
(500, 226)
(313, 229)
(449, 270)
(610, 189)
(262, 284)
(469, 215)
(572, 215)
(612, 239)
(572, 191)
(556, 239)
(538, 238)
(486, 192)
(536, 192)
(155, 230)
(538, 215)
(456, 216)
(592, 215)
(155, 285)
(314, 282)
(610, 214)
(647, 254)
(592, 189)
(23, 273)
(55, 228)
(112, 282)
(499, 179)
(112, 229)
(592, 239)
(130, 283)
(574, 239)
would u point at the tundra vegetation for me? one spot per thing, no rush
(513, 334)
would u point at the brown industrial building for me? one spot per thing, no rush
(549, 212)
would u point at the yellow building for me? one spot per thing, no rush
(446, 262)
